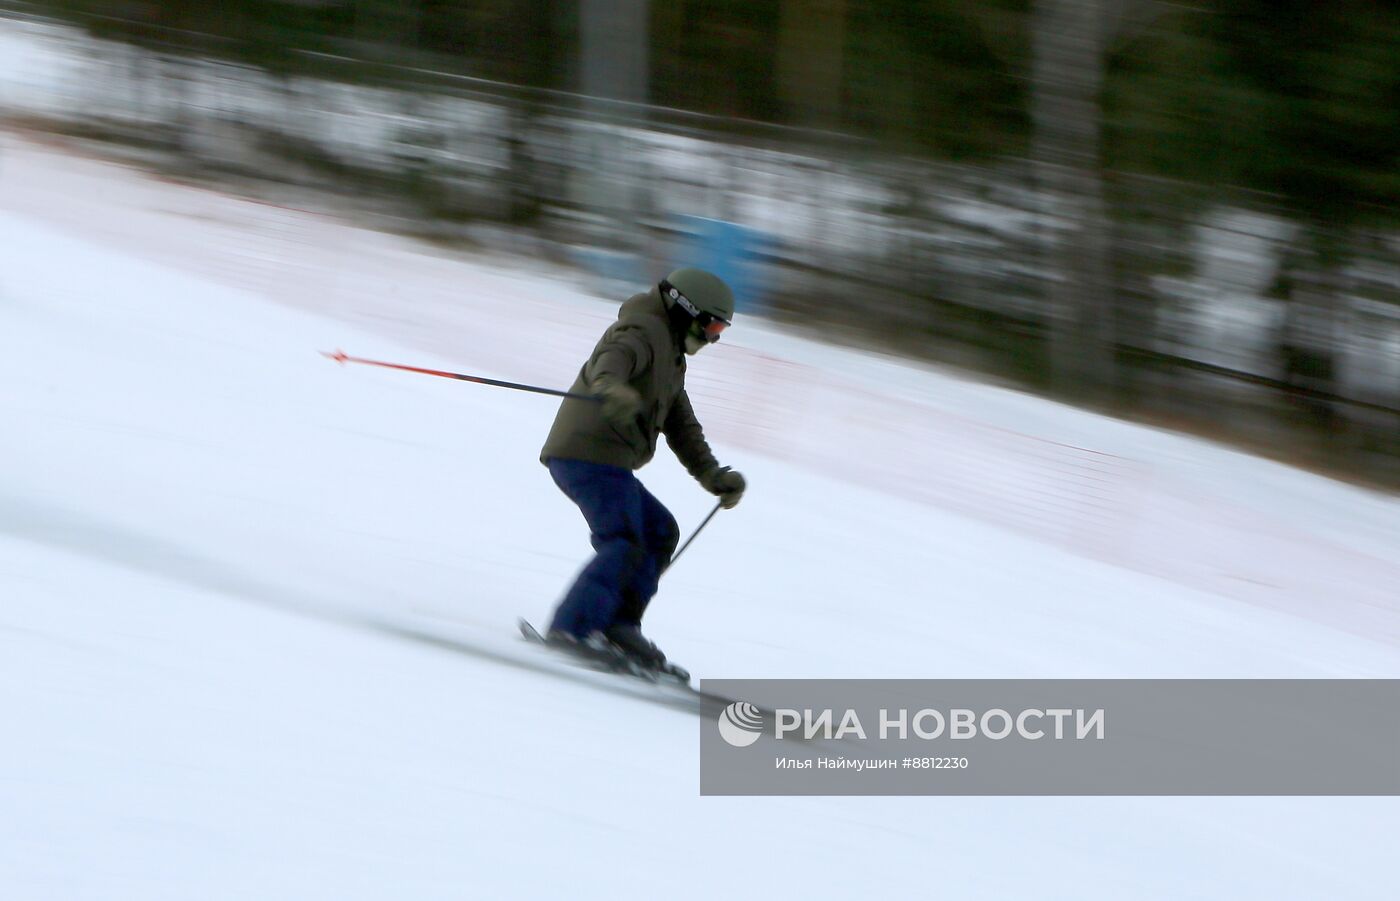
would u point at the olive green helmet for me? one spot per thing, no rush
(704, 296)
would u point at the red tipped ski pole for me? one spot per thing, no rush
(341, 356)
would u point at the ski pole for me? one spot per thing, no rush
(342, 357)
(704, 522)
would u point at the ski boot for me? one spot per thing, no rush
(595, 650)
(643, 654)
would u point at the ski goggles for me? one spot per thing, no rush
(709, 324)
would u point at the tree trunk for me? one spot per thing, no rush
(614, 36)
(1067, 79)
(613, 40)
(1312, 339)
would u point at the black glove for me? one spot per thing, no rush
(621, 403)
(726, 484)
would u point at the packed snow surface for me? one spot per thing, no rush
(208, 532)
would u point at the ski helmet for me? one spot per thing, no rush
(703, 296)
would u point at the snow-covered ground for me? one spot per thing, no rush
(202, 521)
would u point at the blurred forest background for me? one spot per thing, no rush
(1187, 212)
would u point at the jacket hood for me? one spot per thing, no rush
(646, 304)
(650, 304)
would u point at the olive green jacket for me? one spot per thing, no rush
(644, 348)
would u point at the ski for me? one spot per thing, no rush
(459, 636)
(674, 687)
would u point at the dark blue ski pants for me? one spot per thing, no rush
(633, 537)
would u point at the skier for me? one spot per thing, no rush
(637, 373)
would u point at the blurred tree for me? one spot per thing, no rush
(936, 77)
(1298, 100)
(516, 41)
(1317, 91)
(388, 23)
(811, 47)
(1293, 98)
(717, 57)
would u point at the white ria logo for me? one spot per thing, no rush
(740, 724)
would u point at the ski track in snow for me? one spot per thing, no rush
(214, 543)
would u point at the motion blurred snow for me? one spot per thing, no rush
(205, 528)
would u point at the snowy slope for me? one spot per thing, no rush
(201, 519)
